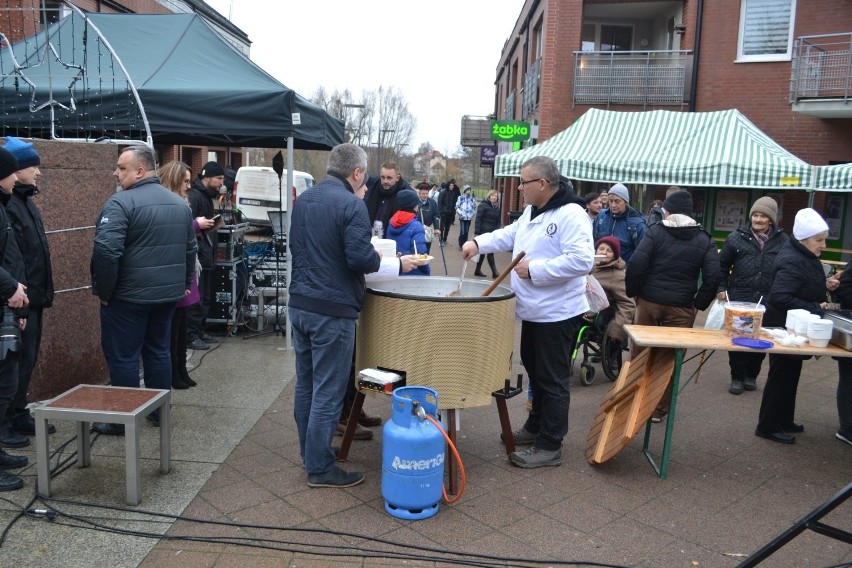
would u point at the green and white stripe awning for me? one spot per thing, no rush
(834, 178)
(715, 149)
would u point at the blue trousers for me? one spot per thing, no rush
(129, 330)
(323, 346)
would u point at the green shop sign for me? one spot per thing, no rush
(510, 130)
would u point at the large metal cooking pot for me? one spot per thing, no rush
(461, 346)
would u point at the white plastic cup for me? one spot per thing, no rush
(792, 316)
(818, 342)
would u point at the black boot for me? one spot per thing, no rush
(177, 381)
(478, 271)
(184, 375)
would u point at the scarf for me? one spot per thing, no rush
(402, 218)
(760, 237)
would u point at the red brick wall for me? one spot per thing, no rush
(760, 90)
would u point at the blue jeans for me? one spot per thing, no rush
(128, 330)
(324, 346)
(464, 228)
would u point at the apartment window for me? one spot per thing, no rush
(588, 40)
(616, 38)
(766, 30)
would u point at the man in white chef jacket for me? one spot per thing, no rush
(550, 284)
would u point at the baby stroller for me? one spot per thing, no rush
(598, 346)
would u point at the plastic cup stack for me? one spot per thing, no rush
(819, 332)
(792, 317)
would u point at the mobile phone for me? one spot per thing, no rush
(215, 217)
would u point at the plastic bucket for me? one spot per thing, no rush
(743, 319)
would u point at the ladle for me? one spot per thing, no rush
(457, 291)
(505, 273)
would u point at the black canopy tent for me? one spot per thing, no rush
(165, 79)
(76, 80)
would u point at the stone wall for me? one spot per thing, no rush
(76, 180)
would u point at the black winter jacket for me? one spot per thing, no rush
(844, 291)
(746, 268)
(429, 214)
(12, 270)
(487, 218)
(201, 203)
(381, 204)
(145, 246)
(447, 200)
(666, 265)
(32, 242)
(330, 234)
(798, 282)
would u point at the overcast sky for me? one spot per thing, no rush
(442, 55)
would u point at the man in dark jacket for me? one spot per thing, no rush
(142, 263)
(205, 189)
(428, 214)
(13, 291)
(32, 241)
(381, 197)
(447, 200)
(621, 221)
(330, 242)
(665, 269)
(746, 262)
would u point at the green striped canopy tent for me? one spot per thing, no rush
(712, 149)
(834, 178)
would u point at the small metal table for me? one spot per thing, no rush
(85, 404)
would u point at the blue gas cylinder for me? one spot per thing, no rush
(412, 456)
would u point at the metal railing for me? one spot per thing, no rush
(509, 112)
(530, 96)
(821, 67)
(632, 77)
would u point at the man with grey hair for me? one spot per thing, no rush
(330, 243)
(142, 263)
(550, 285)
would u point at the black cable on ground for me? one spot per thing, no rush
(447, 556)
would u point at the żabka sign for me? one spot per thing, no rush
(510, 130)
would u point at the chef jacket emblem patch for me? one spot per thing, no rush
(550, 230)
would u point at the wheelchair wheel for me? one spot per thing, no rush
(610, 362)
(587, 374)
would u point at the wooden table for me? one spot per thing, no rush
(664, 340)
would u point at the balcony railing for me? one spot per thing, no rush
(646, 78)
(530, 96)
(509, 113)
(822, 67)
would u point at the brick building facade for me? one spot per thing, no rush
(537, 78)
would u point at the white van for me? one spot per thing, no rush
(256, 192)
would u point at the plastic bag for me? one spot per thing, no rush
(595, 295)
(716, 316)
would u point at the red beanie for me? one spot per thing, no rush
(613, 244)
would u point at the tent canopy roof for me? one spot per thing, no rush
(711, 149)
(195, 88)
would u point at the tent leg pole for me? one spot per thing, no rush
(288, 256)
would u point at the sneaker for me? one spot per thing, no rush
(844, 436)
(750, 383)
(9, 439)
(335, 478)
(536, 457)
(12, 462)
(197, 344)
(108, 429)
(207, 338)
(10, 482)
(736, 387)
(522, 436)
(26, 427)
